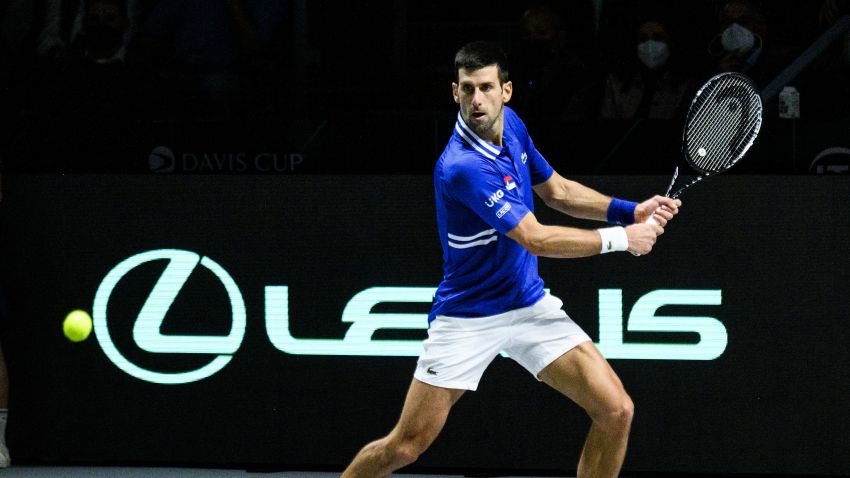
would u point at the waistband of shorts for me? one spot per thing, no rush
(546, 303)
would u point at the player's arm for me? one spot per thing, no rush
(569, 242)
(577, 200)
(572, 198)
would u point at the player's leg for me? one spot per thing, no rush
(583, 375)
(454, 357)
(422, 418)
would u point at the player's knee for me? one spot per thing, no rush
(407, 448)
(627, 410)
(617, 413)
(408, 453)
(622, 412)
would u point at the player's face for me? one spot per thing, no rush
(482, 99)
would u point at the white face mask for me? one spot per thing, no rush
(737, 38)
(653, 53)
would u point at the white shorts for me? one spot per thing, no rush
(458, 350)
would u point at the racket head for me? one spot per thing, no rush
(722, 123)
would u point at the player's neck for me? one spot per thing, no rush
(497, 134)
(497, 140)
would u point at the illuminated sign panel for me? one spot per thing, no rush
(358, 340)
(292, 310)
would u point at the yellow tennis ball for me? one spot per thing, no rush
(77, 325)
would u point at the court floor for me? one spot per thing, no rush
(133, 472)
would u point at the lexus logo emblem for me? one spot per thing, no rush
(147, 328)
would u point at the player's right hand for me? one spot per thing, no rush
(642, 237)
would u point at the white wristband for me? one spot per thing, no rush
(613, 239)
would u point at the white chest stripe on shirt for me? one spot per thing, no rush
(487, 237)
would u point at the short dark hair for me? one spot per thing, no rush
(478, 54)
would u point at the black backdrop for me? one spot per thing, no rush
(772, 402)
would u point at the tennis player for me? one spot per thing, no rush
(491, 297)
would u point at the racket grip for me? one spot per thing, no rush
(651, 220)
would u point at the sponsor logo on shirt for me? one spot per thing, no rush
(501, 212)
(494, 198)
(524, 157)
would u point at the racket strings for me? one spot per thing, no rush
(716, 144)
(724, 121)
(725, 112)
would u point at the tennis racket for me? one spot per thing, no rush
(722, 122)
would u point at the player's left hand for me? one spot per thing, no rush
(661, 207)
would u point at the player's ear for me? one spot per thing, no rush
(507, 91)
(454, 92)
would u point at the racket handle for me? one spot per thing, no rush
(651, 220)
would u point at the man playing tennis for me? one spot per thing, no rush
(491, 297)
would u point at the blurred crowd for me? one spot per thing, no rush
(592, 77)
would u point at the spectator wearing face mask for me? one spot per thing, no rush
(648, 83)
(741, 43)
